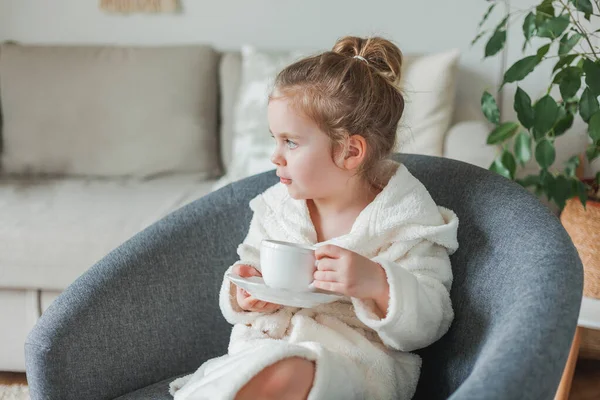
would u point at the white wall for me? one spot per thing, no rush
(416, 26)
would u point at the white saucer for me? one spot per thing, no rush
(255, 285)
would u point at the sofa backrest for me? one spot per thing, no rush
(76, 110)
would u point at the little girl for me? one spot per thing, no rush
(382, 243)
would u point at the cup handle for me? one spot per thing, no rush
(311, 287)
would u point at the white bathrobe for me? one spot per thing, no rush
(357, 354)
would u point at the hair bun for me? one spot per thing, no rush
(379, 53)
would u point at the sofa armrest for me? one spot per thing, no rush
(146, 312)
(466, 141)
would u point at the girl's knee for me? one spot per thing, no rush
(291, 378)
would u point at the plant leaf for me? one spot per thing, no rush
(592, 75)
(502, 23)
(495, 43)
(581, 190)
(529, 28)
(545, 114)
(594, 126)
(523, 148)
(521, 69)
(545, 153)
(547, 182)
(545, 10)
(571, 166)
(499, 168)
(490, 108)
(508, 160)
(572, 106)
(563, 124)
(486, 15)
(562, 190)
(567, 44)
(559, 75)
(585, 6)
(529, 180)
(523, 108)
(479, 36)
(571, 82)
(554, 27)
(566, 60)
(588, 104)
(542, 51)
(592, 152)
(502, 132)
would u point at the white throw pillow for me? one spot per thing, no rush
(252, 142)
(427, 82)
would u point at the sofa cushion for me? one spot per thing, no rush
(19, 312)
(156, 391)
(428, 82)
(109, 111)
(53, 230)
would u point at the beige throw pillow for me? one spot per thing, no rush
(109, 111)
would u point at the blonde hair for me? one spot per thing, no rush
(352, 89)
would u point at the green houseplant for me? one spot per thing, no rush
(560, 26)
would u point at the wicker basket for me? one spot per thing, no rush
(583, 225)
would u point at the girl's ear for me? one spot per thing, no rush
(355, 152)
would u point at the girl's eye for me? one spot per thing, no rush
(291, 145)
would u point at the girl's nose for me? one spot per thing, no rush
(277, 159)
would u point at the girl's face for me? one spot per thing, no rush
(303, 154)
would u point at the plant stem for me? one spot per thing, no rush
(579, 54)
(581, 30)
(504, 60)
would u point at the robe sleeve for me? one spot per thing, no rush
(420, 310)
(249, 254)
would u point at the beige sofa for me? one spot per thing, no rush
(100, 142)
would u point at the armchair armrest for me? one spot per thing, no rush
(147, 311)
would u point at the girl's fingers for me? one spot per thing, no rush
(271, 307)
(328, 276)
(260, 304)
(245, 271)
(328, 250)
(326, 264)
(329, 286)
(253, 304)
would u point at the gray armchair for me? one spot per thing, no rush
(148, 312)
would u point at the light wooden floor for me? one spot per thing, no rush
(12, 378)
(586, 384)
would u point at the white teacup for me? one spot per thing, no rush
(286, 265)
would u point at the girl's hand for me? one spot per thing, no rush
(244, 299)
(348, 273)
